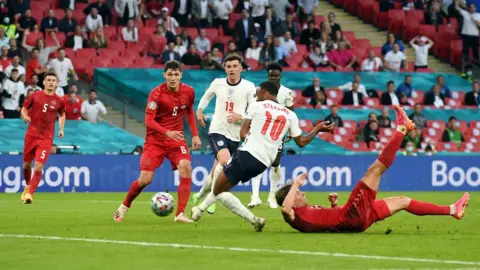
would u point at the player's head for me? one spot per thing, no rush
(233, 67)
(267, 91)
(173, 74)
(50, 81)
(274, 72)
(300, 198)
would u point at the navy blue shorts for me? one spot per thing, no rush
(242, 167)
(219, 142)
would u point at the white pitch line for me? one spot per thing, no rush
(86, 201)
(250, 250)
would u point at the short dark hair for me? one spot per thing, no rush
(61, 49)
(452, 118)
(270, 87)
(282, 193)
(275, 66)
(390, 82)
(14, 70)
(36, 49)
(173, 65)
(50, 73)
(92, 91)
(233, 57)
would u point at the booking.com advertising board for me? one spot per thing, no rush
(325, 173)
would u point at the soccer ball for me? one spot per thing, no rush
(162, 204)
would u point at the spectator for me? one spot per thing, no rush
(68, 24)
(231, 49)
(12, 90)
(325, 43)
(17, 7)
(154, 8)
(349, 86)
(10, 29)
(269, 23)
(288, 25)
(258, 33)
(370, 132)
(217, 55)
(191, 58)
(128, 10)
(50, 23)
(258, 9)
(341, 58)
(443, 87)
(394, 59)
(418, 118)
(430, 149)
(244, 28)
(182, 11)
(156, 43)
(92, 109)
(130, 32)
(309, 35)
(201, 13)
(279, 8)
(384, 120)
(33, 84)
(268, 54)
(391, 41)
(29, 92)
(93, 22)
(280, 52)
(4, 40)
(333, 117)
(435, 98)
(138, 149)
(254, 51)
(40, 44)
(186, 39)
(98, 41)
(409, 150)
(326, 28)
(435, 15)
(390, 97)
(73, 108)
(64, 4)
(5, 61)
(209, 63)
(312, 89)
(372, 63)
(317, 58)
(406, 87)
(372, 117)
(26, 22)
(339, 38)
(470, 31)
(451, 133)
(319, 99)
(60, 92)
(222, 10)
(14, 50)
(179, 48)
(73, 89)
(170, 54)
(103, 9)
(15, 65)
(62, 67)
(421, 51)
(78, 40)
(202, 44)
(54, 150)
(353, 97)
(288, 44)
(33, 65)
(306, 8)
(472, 98)
(243, 5)
(334, 27)
(414, 137)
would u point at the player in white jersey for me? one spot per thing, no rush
(263, 129)
(284, 98)
(233, 96)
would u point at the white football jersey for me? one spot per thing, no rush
(269, 124)
(230, 98)
(285, 96)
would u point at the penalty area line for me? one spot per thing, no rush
(248, 250)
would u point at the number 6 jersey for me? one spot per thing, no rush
(230, 98)
(269, 123)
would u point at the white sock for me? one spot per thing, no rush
(274, 183)
(209, 200)
(234, 204)
(216, 172)
(256, 186)
(452, 210)
(206, 188)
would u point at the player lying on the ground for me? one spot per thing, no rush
(40, 110)
(167, 106)
(266, 123)
(362, 208)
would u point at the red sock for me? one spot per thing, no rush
(424, 208)
(27, 174)
(183, 194)
(133, 192)
(388, 154)
(37, 177)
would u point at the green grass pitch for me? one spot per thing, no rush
(147, 238)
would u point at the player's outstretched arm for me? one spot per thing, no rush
(204, 101)
(24, 115)
(324, 126)
(61, 123)
(287, 207)
(196, 142)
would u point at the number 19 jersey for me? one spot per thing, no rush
(269, 123)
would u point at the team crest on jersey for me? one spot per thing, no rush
(220, 143)
(152, 105)
(53, 102)
(52, 107)
(183, 106)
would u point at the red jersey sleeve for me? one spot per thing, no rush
(151, 112)
(191, 115)
(29, 101)
(61, 108)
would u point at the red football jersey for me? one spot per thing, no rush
(43, 110)
(312, 218)
(169, 109)
(73, 111)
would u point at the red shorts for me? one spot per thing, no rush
(362, 209)
(153, 155)
(36, 148)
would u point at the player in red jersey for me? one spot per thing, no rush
(167, 105)
(362, 208)
(40, 110)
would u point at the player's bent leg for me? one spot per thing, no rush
(206, 187)
(221, 185)
(136, 188)
(255, 200)
(372, 177)
(185, 171)
(223, 156)
(27, 175)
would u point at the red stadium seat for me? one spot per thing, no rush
(299, 99)
(349, 35)
(351, 124)
(86, 53)
(474, 124)
(458, 96)
(380, 19)
(372, 102)
(416, 15)
(345, 132)
(432, 134)
(456, 53)
(339, 140)
(396, 20)
(418, 96)
(252, 63)
(306, 125)
(427, 30)
(470, 147)
(386, 132)
(447, 146)
(319, 19)
(335, 95)
(410, 29)
(436, 124)
(365, 10)
(357, 146)
(462, 126)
